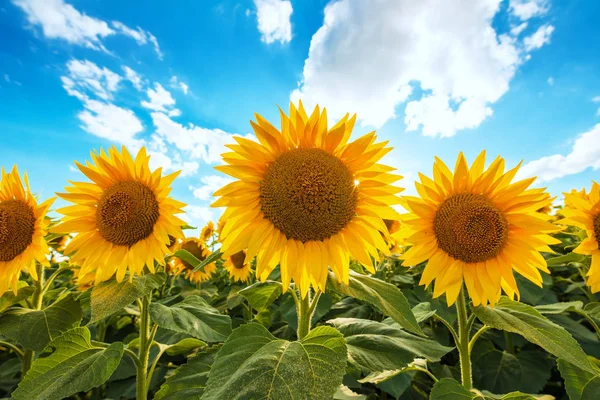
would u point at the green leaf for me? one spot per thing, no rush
(261, 295)
(193, 261)
(579, 382)
(423, 312)
(74, 366)
(189, 380)
(375, 346)
(193, 316)
(34, 329)
(512, 316)
(497, 371)
(558, 308)
(345, 393)
(593, 310)
(385, 297)
(449, 389)
(254, 364)
(565, 259)
(111, 297)
(184, 346)
(9, 298)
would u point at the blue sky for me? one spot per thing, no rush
(520, 78)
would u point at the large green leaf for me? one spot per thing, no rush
(497, 371)
(75, 366)
(111, 297)
(9, 298)
(189, 380)
(34, 329)
(194, 262)
(193, 316)
(565, 259)
(516, 317)
(580, 384)
(376, 347)
(558, 308)
(385, 297)
(261, 295)
(449, 389)
(254, 364)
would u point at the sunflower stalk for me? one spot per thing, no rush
(144, 349)
(463, 341)
(38, 301)
(305, 308)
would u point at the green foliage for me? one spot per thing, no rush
(34, 329)
(9, 298)
(384, 296)
(193, 316)
(261, 295)
(255, 364)
(580, 384)
(189, 380)
(111, 296)
(75, 365)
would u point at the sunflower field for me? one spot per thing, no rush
(321, 280)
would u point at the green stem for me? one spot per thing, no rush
(154, 364)
(38, 301)
(448, 326)
(590, 320)
(48, 283)
(480, 332)
(303, 317)
(12, 347)
(463, 341)
(508, 340)
(144, 350)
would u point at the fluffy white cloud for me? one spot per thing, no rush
(584, 154)
(85, 76)
(196, 142)
(550, 81)
(539, 38)
(60, 20)
(177, 84)
(111, 122)
(209, 185)
(133, 77)
(273, 18)
(199, 215)
(516, 30)
(367, 59)
(160, 99)
(526, 9)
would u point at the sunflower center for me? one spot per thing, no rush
(127, 212)
(470, 228)
(196, 249)
(238, 260)
(308, 194)
(597, 227)
(17, 224)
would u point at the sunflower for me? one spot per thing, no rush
(23, 225)
(238, 267)
(306, 198)
(475, 226)
(583, 211)
(207, 232)
(123, 218)
(198, 249)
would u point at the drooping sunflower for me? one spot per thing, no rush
(123, 218)
(583, 211)
(476, 226)
(306, 198)
(238, 266)
(207, 232)
(198, 249)
(23, 225)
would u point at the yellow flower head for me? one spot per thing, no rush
(306, 198)
(477, 226)
(583, 211)
(23, 226)
(238, 267)
(123, 218)
(198, 249)
(207, 232)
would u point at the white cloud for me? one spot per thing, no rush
(196, 142)
(85, 76)
(177, 84)
(596, 99)
(200, 215)
(59, 20)
(584, 154)
(133, 77)
(550, 81)
(539, 38)
(210, 184)
(174, 113)
(273, 18)
(526, 9)
(111, 122)
(516, 30)
(365, 59)
(160, 99)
